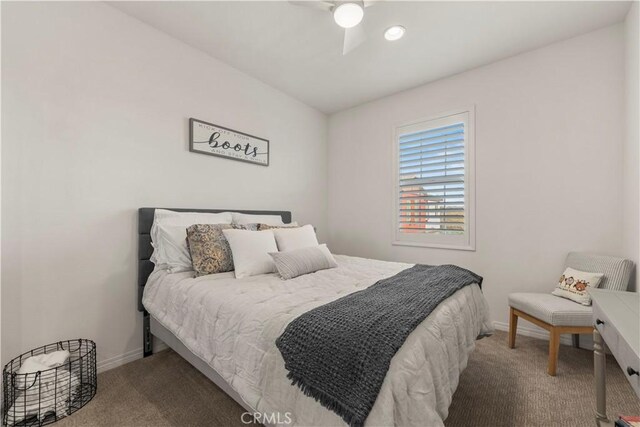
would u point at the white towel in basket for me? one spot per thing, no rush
(45, 392)
(41, 362)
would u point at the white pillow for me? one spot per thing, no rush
(301, 261)
(574, 285)
(172, 241)
(250, 251)
(169, 244)
(240, 218)
(289, 239)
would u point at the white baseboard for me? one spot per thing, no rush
(129, 356)
(115, 361)
(539, 333)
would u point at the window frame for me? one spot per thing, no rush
(466, 241)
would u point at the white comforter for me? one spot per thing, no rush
(232, 324)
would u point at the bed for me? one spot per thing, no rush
(227, 327)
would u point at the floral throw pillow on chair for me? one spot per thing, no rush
(574, 284)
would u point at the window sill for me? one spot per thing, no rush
(434, 245)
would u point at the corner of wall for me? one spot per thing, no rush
(631, 146)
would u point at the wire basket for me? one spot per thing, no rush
(46, 396)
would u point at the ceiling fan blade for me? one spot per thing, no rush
(326, 6)
(353, 37)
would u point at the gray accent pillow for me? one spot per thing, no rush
(301, 261)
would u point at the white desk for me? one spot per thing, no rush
(616, 317)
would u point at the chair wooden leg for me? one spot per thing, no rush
(575, 340)
(513, 326)
(554, 347)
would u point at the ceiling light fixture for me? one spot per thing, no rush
(348, 14)
(394, 33)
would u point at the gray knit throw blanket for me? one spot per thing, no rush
(339, 353)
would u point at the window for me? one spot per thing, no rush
(434, 191)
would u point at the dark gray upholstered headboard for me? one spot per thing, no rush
(145, 220)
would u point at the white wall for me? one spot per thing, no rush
(95, 109)
(631, 178)
(549, 130)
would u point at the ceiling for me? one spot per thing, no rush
(299, 49)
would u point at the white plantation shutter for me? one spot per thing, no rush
(433, 187)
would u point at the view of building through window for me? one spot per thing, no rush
(431, 169)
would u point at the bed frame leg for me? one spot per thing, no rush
(147, 338)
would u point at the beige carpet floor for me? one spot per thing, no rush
(500, 387)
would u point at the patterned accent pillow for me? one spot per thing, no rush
(574, 285)
(209, 249)
(271, 227)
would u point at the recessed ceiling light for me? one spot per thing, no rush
(348, 14)
(394, 33)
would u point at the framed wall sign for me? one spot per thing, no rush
(207, 138)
